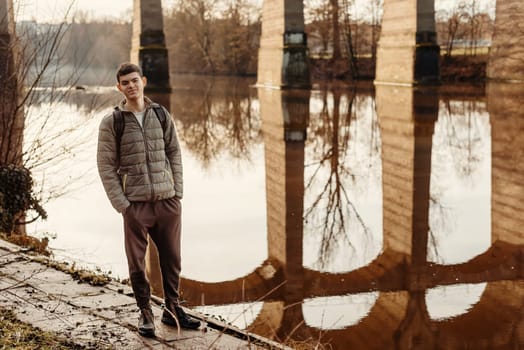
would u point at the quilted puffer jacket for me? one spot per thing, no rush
(150, 166)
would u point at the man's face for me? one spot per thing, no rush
(132, 86)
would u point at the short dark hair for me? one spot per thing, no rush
(126, 68)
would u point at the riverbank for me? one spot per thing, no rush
(84, 316)
(453, 69)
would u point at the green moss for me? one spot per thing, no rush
(85, 276)
(15, 334)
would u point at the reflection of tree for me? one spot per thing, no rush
(440, 221)
(217, 118)
(460, 141)
(332, 207)
(464, 136)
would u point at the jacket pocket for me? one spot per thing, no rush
(169, 176)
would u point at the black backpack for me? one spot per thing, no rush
(119, 124)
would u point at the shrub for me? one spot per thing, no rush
(17, 197)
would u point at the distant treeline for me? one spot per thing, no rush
(205, 39)
(200, 39)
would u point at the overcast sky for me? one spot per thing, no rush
(55, 10)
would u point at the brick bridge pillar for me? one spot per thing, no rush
(283, 56)
(408, 52)
(11, 118)
(506, 61)
(148, 45)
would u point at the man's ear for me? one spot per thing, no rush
(118, 87)
(144, 80)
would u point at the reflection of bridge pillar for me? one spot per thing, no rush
(416, 330)
(153, 271)
(507, 128)
(284, 120)
(506, 59)
(407, 117)
(283, 57)
(11, 132)
(148, 46)
(408, 52)
(494, 322)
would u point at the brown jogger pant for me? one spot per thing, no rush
(162, 221)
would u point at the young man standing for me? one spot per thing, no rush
(140, 164)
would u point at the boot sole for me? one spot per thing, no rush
(173, 324)
(147, 333)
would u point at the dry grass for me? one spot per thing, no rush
(21, 336)
(32, 244)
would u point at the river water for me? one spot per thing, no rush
(352, 216)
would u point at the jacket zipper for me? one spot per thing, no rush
(124, 182)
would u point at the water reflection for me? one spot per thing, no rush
(342, 178)
(366, 218)
(410, 132)
(460, 181)
(217, 118)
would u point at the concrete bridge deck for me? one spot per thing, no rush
(98, 317)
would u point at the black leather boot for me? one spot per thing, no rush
(146, 322)
(141, 289)
(172, 311)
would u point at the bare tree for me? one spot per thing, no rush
(16, 59)
(375, 9)
(351, 53)
(29, 140)
(464, 22)
(452, 21)
(238, 36)
(335, 22)
(205, 38)
(200, 15)
(317, 15)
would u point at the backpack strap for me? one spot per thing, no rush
(161, 115)
(119, 125)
